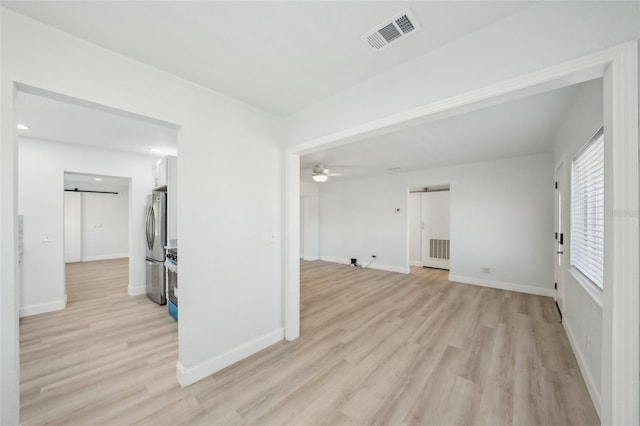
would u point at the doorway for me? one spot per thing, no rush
(96, 217)
(96, 226)
(79, 243)
(429, 223)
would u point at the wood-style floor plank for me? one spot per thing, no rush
(376, 348)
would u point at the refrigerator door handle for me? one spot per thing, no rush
(148, 228)
(153, 227)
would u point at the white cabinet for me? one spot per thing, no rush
(165, 178)
(160, 169)
(172, 198)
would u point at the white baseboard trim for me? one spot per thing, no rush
(189, 375)
(311, 258)
(438, 263)
(521, 288)
(136, 291)
(586, 374)
(374, 265)
(415, 263)
(105, 257)
(42, 308)
(389, 268)
(334, 260)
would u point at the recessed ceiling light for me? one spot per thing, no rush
(98, 179)
(21, 126)
(155, 150)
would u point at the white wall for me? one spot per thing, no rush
(105, 221)
(415, 228)
(309, 221)
(501, 218)
(582, 313)
(537, 37)
(229, 181)
(41, 188)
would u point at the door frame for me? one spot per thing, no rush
(76, 221)
(621, 319)
(560, 232)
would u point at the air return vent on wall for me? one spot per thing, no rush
(400, 26)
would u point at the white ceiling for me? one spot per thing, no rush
(280, 56)
(66, 122)
(511, 129)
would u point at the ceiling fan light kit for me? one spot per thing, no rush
(320, 173)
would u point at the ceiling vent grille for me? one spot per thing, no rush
(400, 26)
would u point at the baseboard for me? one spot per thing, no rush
(334, 260)
(520, 288)
(189, 375)
(389, 268)
(310, 258)
(42, 308)
(104, 257)
(136, 291)
(415, 263)
(374, 265)
(588, 378)
(438, 263)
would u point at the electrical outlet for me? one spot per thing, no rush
(486, 270)
(46, 237)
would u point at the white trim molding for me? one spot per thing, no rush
(502, 285)
(621, 296)
(42, 308)
(189, 375)
(291, 249)
(136, 290)
(594, 392)
(374, 265)
(105, 257)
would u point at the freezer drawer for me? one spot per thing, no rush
(155, 281)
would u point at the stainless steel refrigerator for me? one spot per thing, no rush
(156, 240)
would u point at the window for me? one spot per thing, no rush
(587, 210)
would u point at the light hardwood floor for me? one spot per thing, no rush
(376, 348)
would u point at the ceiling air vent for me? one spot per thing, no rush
(400, 26)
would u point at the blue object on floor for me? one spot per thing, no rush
(173, 309)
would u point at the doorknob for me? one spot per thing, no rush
(560, 252)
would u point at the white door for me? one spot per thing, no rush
(435, 229)
(72, 227)
(559, 238)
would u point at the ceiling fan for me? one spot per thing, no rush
(321, 173)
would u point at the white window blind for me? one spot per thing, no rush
(587, 210)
